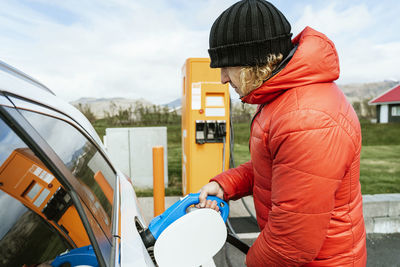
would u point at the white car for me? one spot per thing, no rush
(59, 190)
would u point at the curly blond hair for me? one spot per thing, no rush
(252, 77)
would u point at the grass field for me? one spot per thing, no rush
(380, 169)
(374, 134)
(380, 156)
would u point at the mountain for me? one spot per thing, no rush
(173, 104)
(100, 106)
(353, 91)
(358, 92)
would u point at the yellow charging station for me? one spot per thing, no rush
(205, 124)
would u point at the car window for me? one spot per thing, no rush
(27, 193)
(84, 161)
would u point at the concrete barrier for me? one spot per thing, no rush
(381, 211)
(131, 150)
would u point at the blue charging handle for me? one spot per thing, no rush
(78, 256)
(159, 223)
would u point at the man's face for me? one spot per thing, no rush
(232, 75)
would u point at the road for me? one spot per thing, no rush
(383, 249)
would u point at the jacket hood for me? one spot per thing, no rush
(315, 61)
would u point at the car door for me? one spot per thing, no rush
(38, 220)
(93, 207)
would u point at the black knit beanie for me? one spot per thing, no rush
(245, 33)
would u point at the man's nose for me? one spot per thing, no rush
(224, 77)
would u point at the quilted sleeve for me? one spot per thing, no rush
(237, 182)
(311, 153)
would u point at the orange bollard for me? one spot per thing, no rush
(158, 180)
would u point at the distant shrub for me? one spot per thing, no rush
(140, 115)
(85, 109)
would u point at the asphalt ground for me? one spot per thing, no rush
(383, 249)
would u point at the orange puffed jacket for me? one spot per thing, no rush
(304, 170)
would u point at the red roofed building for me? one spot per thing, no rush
(388, 105)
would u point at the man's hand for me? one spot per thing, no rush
(213, 189)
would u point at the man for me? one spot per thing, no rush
(305, 140)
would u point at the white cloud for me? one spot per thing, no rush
(136, 49)
(355, 32)
(333, 21)
(122, 48)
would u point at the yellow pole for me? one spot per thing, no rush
(158, 180)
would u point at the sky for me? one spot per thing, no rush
(136, 48)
